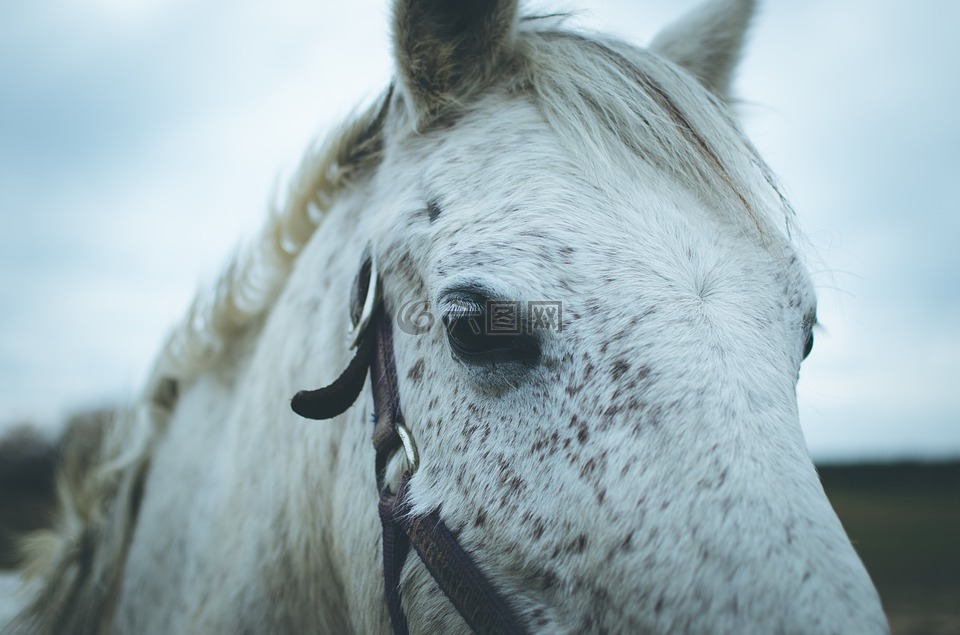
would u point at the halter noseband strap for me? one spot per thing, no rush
(483, 608)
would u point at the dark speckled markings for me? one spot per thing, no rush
(415, 374)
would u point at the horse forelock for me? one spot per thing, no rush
(609, 98)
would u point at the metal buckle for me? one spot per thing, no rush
(369, 303)
(395, 467)
(409, 448)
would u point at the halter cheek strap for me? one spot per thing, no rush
(483, 608)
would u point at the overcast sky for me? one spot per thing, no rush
(140, 140)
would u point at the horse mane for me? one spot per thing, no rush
(77, 561)
(256, 275)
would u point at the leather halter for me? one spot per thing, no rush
(483, 608)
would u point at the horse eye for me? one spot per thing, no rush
(808, 345)
(473, 340)
(467, 335)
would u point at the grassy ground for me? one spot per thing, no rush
(904, 520)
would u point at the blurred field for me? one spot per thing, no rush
(904, 520)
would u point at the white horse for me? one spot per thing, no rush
(628, 459)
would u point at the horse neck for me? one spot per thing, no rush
(304, 482)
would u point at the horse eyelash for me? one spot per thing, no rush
(456, 309)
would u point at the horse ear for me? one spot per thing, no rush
(447, 49)
(708, 41)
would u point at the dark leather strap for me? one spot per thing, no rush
(483, 608)
(333, 400)
(396, 546)
(386, 395)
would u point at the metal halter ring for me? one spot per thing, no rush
(409, 448)
(373, 292)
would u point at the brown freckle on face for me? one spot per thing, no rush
(416, 371)
(539, 618)
(579, 544)
(433, 210)
(620, 368)
(538, 529)
(481, 519)
(583, 435)
(549, 580)
(612, 411)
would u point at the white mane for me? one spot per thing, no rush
(253, 279)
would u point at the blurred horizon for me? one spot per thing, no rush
(140, 142)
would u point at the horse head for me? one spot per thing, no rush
(598, 324)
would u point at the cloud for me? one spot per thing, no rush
(866, 143)
(132, 161)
